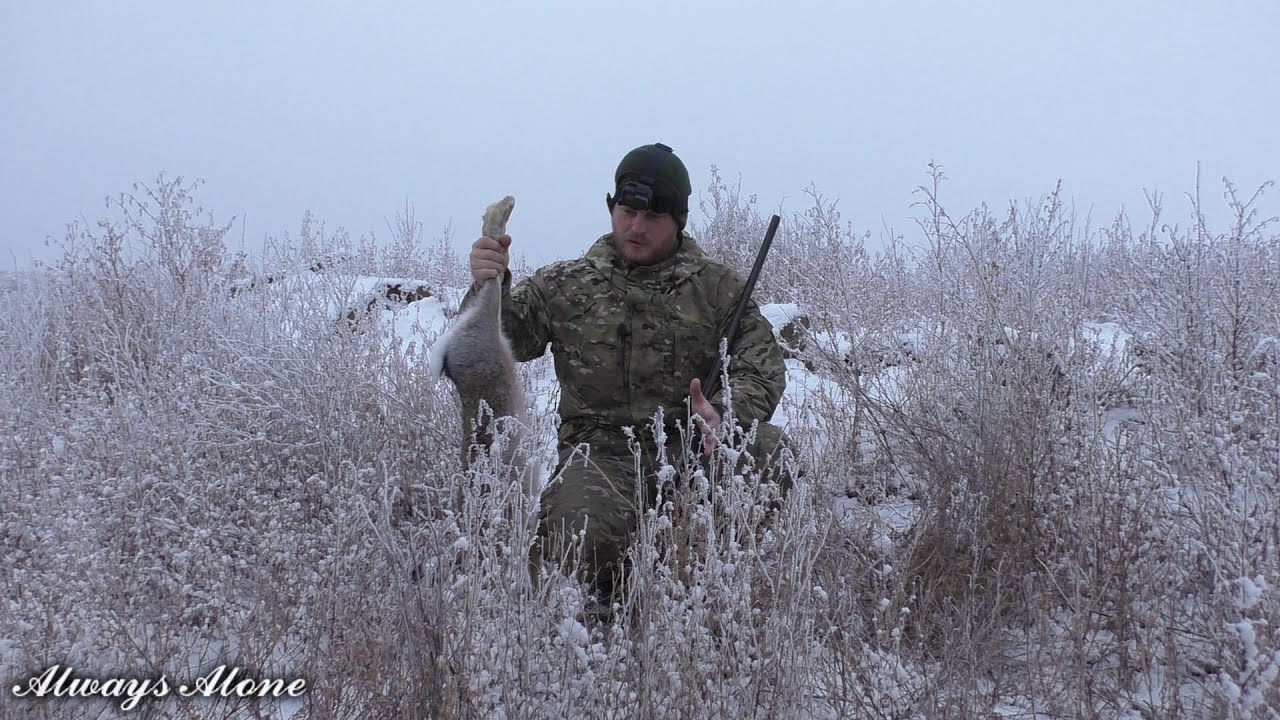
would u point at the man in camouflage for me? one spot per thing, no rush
(632, 326)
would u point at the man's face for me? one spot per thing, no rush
(643, 237)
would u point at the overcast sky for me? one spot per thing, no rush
(351, 109)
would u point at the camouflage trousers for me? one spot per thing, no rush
(599, 501)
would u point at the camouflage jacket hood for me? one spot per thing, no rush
(628, 339)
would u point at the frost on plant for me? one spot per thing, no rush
(1036, 465)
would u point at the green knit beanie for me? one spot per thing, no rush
(651, 177)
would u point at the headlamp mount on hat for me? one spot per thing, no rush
(641, 192)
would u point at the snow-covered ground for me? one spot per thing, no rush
(1019, 526)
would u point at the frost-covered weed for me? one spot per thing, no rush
(1086, 510)
(210, 458)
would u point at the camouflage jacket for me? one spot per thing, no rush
(629, 339)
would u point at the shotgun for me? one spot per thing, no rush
(712, 382)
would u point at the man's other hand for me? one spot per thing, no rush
(700, 406)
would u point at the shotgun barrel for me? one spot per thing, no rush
(712, 382)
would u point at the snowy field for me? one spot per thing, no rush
(1041, 479)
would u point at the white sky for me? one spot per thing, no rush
(352, 109)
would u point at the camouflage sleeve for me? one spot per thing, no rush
(757, 372)
(524, 316)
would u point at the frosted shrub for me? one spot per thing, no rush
(1036, 472)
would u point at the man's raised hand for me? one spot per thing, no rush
(489, 257)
